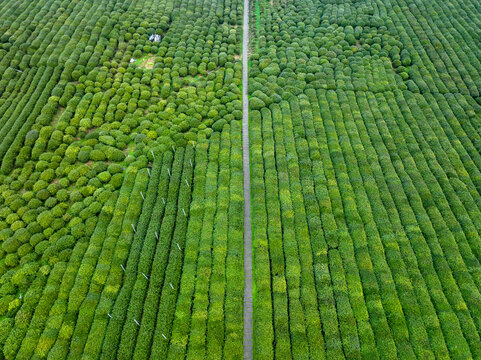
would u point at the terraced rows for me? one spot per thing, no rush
(122, 174)
(99, 163)
(364, 160)
(392, 231)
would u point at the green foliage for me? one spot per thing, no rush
(365, 180)
(45, 219)
(358, 136)
(256, 103)
(104, 176)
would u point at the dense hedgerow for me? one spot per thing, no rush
(86, 138)
(121, 184)
(155, 268)
(363, 131)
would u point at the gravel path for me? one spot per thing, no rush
(248, 348)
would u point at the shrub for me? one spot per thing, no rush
(115, 155)
(11, 260)
(256, 103)
(11, 245)
(97, 155)
(45, 219)
(116, 180)
(104, 176)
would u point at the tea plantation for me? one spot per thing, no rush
(122, 179)
(120, 208)
(365, 132)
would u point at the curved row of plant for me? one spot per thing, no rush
(53, 310)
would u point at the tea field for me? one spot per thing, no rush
(122, 179)
(365, 132)
(121, 204)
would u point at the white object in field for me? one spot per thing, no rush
(152, 154)
(145, 276)
(122, 267)
(173, 148)
(164, 336)
(132, 60)
(148, 171)
(157, 235)
(20, 296)
(191, 163)
(133, 228)
(168, 170)
(142, 195)
(184, 212)
(163, 200)
(135, 321)
(186, 182)
(171, 286)
(155, 37)
(178, 245)
(110, 316)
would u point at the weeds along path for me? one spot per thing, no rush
(248, 353)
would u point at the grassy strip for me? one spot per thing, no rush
(182, 316)
(263, 306)
(297, 329)
(197, 337)
(408, 203)
(217, 286)
(309, 301)
(233, 305)
(416, 287)
(170, 288)
(323, 238)
(145, 295)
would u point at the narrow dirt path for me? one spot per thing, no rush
(248, 321)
